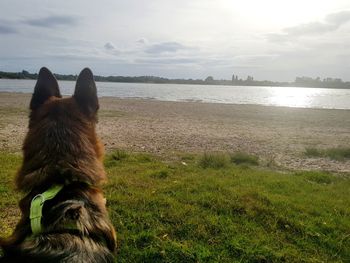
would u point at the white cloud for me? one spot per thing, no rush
(331, 23)
(166, 47)
(184, 38)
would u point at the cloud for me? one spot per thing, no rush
(277, 37)
(165, 47)
(4, 30)
(142, 41)
(314, 28)
(166, 61)
(52, 21)
(109, 46)
(111, 49)
(49, 22)
(338, 18)
(331, 23)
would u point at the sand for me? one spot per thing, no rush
(278, 135)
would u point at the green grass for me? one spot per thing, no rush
(8, 197)
(213, 160)
(339, 154)
(211, 210)
(115, 158)
(244, 158)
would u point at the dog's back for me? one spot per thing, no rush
(62, 150)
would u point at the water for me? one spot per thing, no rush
(269, 96)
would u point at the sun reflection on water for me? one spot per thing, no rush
(292, 97)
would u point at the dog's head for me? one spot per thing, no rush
(61, 143)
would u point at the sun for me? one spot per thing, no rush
(279, 14)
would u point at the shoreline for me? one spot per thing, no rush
(217, 103)
(191, 101)
(277, 135)
(161, 80)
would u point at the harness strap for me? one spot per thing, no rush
(37, 204)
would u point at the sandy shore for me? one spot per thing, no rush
(275, 134)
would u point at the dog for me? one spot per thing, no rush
(63, 211)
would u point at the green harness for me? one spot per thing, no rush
(36, 211)
(37, 204)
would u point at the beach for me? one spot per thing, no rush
(277, 135)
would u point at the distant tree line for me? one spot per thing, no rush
(17, 75)
(324, 83)
(147, 79)
(235, 81)
(26, 75)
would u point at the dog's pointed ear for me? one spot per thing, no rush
(85, 92)
(46, 87)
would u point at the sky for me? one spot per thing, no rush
(270, 40)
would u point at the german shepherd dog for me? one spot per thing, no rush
(61, 175)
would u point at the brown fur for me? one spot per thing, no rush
(62, 146)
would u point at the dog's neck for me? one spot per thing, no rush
(46, 163)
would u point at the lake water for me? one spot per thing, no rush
(269, 96)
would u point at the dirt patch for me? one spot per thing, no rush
(276, 134)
